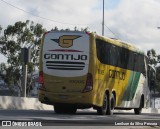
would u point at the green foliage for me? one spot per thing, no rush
(158, 79)
(152, 51)
(30, 67)
(154, 59)
(16, 37)
(68, 29)
(152, 56)
(0, 28)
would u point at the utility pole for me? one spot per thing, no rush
(25, 58)
(103, 20)
(24, 80)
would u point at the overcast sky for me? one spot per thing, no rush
(133, 21)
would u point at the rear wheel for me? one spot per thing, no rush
(58, 109)
(65, 109)
(108, 105)
(102, 110)
(111, 105)
(70, 110)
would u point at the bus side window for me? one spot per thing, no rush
(113, 55)
(117, 55)
(102, 51)
(107, 53)
(98, 49)
(119, 51)
(140, 64)
(135, 62)
(131, 61)
(143, 67)
(124, 58)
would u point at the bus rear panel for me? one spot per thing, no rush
(64, 72)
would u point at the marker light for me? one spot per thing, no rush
(89, 83)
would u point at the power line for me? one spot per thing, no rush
(44, 18)
(112, 32)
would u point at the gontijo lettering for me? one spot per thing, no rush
(116, 74)
(65, 57)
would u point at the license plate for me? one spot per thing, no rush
(63, 96)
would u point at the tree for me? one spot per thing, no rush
(157, 83)
(15, 37)
(154, 59)
(152, 56)
(0, 29)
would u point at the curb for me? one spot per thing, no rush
(26, 103)
(8, 102)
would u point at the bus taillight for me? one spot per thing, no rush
(46, 32)
(41, 80)
(89, 83)
(87, 32)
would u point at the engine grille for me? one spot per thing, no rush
(65, 65)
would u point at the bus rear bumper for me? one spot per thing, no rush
(80, 100)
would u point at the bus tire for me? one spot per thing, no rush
(111, 105)
(103, 109)
(71, 110)
(58, 109)
(66, 109)
(138, 111)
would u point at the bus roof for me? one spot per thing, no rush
(121, 44)
(64, 31)
(110, 40)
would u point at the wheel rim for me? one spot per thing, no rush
(105, 103)
(112, 102)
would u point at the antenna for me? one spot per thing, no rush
(103, 20)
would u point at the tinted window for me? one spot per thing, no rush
(110, 54)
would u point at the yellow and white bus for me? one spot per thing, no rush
(82, 70)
